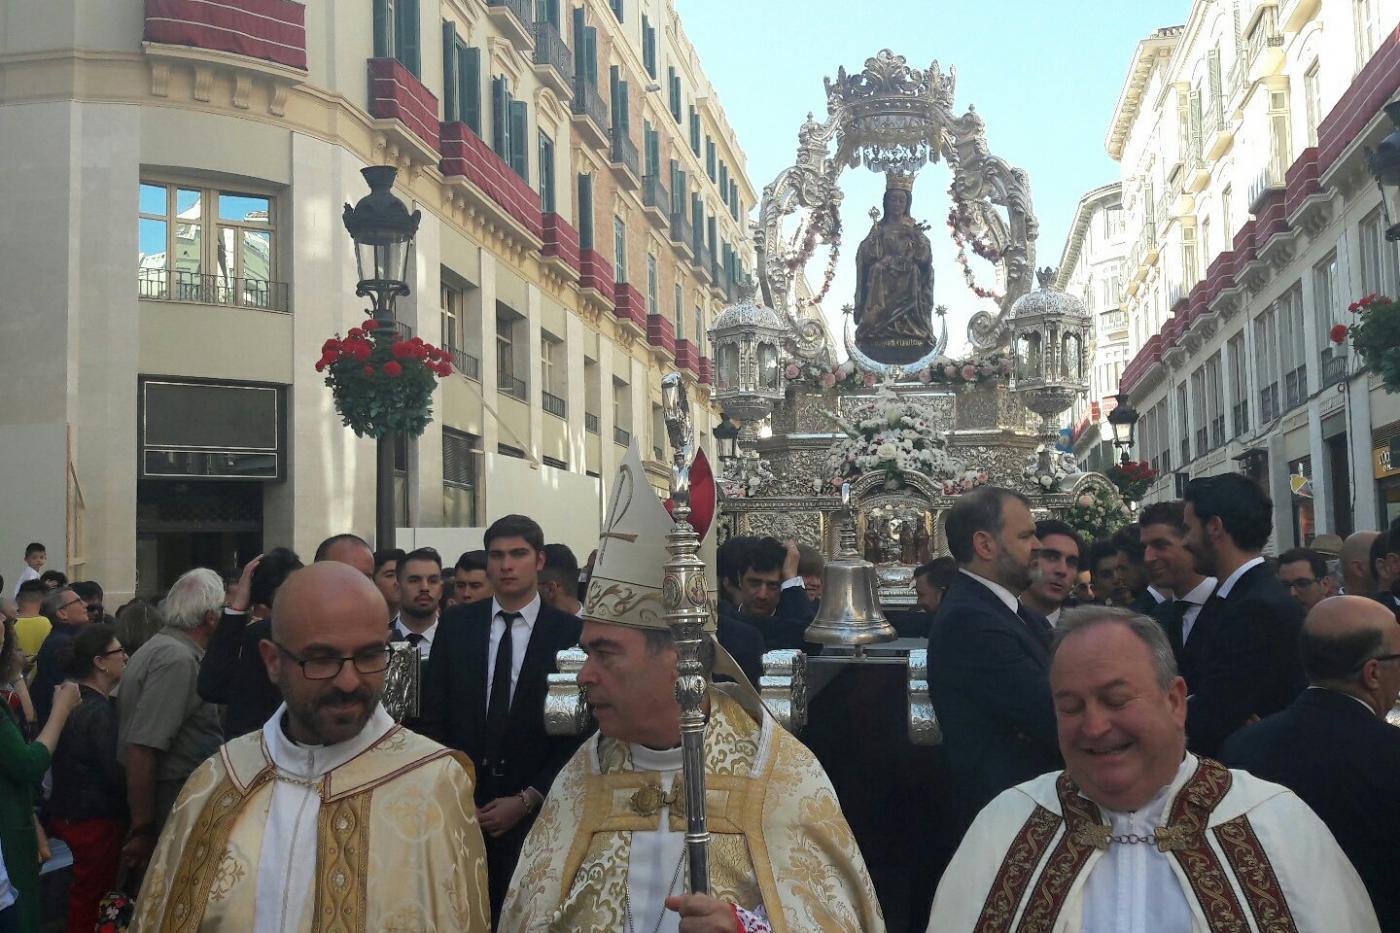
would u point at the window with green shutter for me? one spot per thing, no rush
(396, 32)
(461, 80)
(519, 139)
(651, 143)
(500, 118)
(673, 82)
(548, 11)
(621, 110)
(585, 49)
(694, 130)
(619, 251)
(585, 211)
(648, 47)
(710, 157)
(546, 173)
(617, 9)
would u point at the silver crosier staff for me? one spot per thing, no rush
(687, 611)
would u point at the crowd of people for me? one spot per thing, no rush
(1161, 730)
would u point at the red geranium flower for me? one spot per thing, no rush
(402, 350)
(1338, 333)
(392, 369)
(355, 332)
(361, 351)
(369, 370)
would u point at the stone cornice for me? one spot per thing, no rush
(1155, 48)
(1103, 196)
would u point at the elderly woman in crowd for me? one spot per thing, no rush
(88, 807)
(22, 767)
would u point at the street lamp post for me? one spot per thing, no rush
(383, 231)
(1123, 419)
(726, 438)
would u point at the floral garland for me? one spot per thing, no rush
(847, 376)
(890, 435)
(1061, 467)
(829, 215)
(965, 481)
(959, 219)
(1095, 515)
(745, 475)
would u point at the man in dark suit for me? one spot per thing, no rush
(484, 692)
(1243, 649)
(1385, 565)
(988, 658)
(1333, 747)
(767, 590)
(1172, 569)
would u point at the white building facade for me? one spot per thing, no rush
(1253, 223)
(1090, 267)
(174, 258)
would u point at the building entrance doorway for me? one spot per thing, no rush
(183, 525)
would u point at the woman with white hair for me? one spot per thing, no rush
(166, 729)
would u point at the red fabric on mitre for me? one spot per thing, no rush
(703, 495)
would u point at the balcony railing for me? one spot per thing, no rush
(515, 388)
(622, 437)
(1265, 34)
(590, 422)
(654, 194)
(1268, 403)
(1295, 388)
(1186, 449)
(623, 151)
(201, 288)
(1217, 432)
(521, 9)
(466, 364)
(553, 405)
(1202, 437)
(680, 229)
(552, 50)
(589, 103)
(1113, 321)
(1240, 413)
(1334, 367)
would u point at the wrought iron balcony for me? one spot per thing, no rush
(515, 17)
(200, 288)
(1217, 432)
(590, 422)
(515, 388)
(654, 194)
(1295, 386)
(590, 111)
(1265, 37)
(622, 437)
(466, 364)
(554, 405)
(1268, 403)
(1240, 411)
(554, 60)
(680, 229)
(1334, 367)
(623, 153)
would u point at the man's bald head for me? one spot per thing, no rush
(330, 589)
(1357, 573)
(347, 549)
(1352, 644)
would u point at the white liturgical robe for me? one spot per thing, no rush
(1225, 851)
(651, 865)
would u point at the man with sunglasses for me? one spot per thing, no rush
(1333, 748)
(332, 814)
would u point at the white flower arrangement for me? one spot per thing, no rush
(889, 434)
(1061, 467)
(745, 475)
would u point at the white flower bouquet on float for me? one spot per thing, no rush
(1061, 467)
(890, 435)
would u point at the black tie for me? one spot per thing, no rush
(413, 638)
(1176, 625)
(498, 709)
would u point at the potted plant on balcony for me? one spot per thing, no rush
(1375, 333)
(381, 384)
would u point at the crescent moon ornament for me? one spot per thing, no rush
(894, 371)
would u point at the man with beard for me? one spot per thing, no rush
(1172, 569)
(988, 658)
(420, 594)
(1242, 657)
(1054, 569)
(274, 832)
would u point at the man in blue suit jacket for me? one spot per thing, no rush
(989, 658)
(1333, 747)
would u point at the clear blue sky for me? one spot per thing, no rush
(1045, 76)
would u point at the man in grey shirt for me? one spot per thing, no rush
(166, 730)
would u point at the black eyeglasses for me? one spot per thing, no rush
(108, 654)
(370, 661)
(70, 604)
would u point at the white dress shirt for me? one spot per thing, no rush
(287, 862)
(1132, 888)
(651, 865)
(1053, 618)
(1002, 593)
(519, 640)
(425, 644)
(1157, 594)
(1197, 598)
(1234, 578)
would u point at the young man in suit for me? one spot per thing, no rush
(1333, 747)
(989, 658)
(485, 686)
(1172, 569)
(1243, 650)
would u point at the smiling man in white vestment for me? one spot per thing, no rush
(332, 817)
(608, 850)
(1136, 835)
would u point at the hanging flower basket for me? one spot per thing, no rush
(1376, 336)
(1132, 478)
(382, 384)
